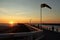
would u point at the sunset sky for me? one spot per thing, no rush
(23, 10)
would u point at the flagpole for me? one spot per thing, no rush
(40, 17)
(42, 6)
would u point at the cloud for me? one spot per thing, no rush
(5, 11)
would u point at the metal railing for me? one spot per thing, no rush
(25, 35)
(33, 35)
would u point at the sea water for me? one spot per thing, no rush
(49, 26)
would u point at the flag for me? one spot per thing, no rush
(45, 5)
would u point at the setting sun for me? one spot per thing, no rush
(11, 22)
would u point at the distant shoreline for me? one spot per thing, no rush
(37, 23)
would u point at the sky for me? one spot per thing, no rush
(23, 11)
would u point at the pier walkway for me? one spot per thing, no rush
(33, 34)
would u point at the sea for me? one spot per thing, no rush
(49, 26)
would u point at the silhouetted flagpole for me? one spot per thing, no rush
(42, 6)
(40, 15)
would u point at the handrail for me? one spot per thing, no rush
(32, 27)
(33, 34)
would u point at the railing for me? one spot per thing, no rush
(33, 35)
(33, 27)
(25, 35)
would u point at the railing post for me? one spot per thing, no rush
(56, 29)
(52, 28)
(49, 28)
(38, 25)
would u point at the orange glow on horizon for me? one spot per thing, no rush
(34, 20)
(11, 23)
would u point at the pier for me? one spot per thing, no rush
(31, 33)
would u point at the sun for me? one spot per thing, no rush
(11, 22)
